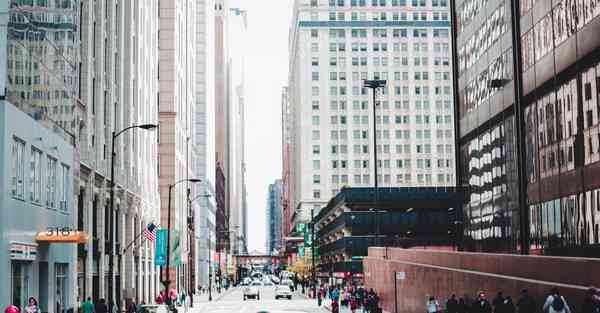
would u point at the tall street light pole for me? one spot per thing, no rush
(113, 154)
(167, 280)
(312, 248)
(374, 84)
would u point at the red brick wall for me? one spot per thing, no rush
(441, 273)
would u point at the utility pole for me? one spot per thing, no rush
(312, 248)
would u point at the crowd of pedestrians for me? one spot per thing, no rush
(353, 297)
(553, 303)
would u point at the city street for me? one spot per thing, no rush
(233, 302)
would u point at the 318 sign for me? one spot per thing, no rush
(59, 231)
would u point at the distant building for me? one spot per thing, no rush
(37, 171)
(274, 217)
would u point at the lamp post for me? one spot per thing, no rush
(374, 84)
(312, 248)
(167, 281)
(112, 204)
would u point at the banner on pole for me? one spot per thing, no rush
(160, 258)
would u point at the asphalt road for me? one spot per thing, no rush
(233, 302)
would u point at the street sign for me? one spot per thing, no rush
(400, 275)
(160, 258)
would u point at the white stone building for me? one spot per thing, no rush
(336, 44)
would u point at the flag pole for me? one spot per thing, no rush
(138, 236)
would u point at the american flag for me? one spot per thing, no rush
(150, 232)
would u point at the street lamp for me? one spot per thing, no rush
(112, 202)
(374, 84)
(167, 281)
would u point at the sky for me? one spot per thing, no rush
(266, 65)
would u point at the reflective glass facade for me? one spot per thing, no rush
(43, 59)
(543, 184)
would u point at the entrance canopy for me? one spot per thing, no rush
(70, 237)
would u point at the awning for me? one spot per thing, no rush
(71, 237)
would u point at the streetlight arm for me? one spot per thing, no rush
(144, 126)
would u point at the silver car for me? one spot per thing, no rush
(251, 292)
(283, 291)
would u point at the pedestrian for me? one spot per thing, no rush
(320, 297)
(131, 306)
(432, 305)
(353, 304)
(590, 302)
(87, 306)
(12, 309)
(462, 306)
(335, 307)
(452, 304)
(498, 301)
(526, 303)
(481, 305)
(555, 303)
(101, 306)
(508, 306)
(32, 306)
(113, 307)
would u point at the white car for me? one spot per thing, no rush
(154, 308)
(283, 291)
(251, 292)
(267, 282)
(289, 283)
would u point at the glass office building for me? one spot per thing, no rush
(528, 124)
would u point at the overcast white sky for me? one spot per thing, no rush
(266, 72)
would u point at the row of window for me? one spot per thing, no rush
(386, 119)
(385, 61)
(482, 39)
(385, 105)
(565, 19)
(381, 3)
(400, 164)
(43, 181)
(383, 16)
(438, 47)
(383, 33)
(397, 90)
(481, 87)
(406, 148)
(386, 180)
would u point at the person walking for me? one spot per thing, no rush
(432, 305)
(498, 302)
(452, 304)
(101, 306)
(590, 302)
(353, 304)
(555, 303)
(12, 309)
(114, 308)
(462, 306)
(508, 306)
(87, 306)
(526, 303)
(32, 306)
(481, 305)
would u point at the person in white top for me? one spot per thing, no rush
(555, 303)
(432, 305)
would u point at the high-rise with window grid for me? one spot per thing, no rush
(334, 46)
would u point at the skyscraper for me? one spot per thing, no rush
(528, 83)
(336, 45)
(274, 217)
(87, 71)
(177, 107)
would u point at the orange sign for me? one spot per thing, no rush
(70, 237)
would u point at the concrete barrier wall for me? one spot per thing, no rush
(442, 273)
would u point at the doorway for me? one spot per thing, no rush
(60, 299)
(20, 279)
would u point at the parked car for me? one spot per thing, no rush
(283, 291)
(251, 292)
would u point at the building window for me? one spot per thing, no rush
(64, 188)
(316, 194)
(51, 182)
(18, 168)
(36, 176)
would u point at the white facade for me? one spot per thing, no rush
(334, 46)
